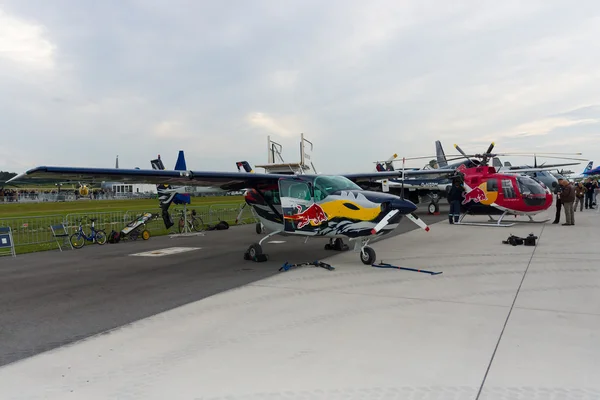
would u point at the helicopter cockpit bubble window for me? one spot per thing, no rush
(326, 185)
(528, 186)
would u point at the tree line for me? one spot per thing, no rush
(4, 176)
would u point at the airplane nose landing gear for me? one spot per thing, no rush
(367, 255)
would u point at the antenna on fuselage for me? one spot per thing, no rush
(402, 193)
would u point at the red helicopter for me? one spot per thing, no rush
(488, 192)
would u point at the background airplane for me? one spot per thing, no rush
(588, 171)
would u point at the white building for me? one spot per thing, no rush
(119, 188)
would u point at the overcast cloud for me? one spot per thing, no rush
(82, 81)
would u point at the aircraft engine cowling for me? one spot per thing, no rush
(84, 190)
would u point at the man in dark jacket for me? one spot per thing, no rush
(589, 194)
(568, 197)
(557, 191)
(455, 196)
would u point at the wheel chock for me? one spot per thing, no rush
(257, 258)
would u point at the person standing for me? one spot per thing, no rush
(557, 191)
(589, 194)
(568, 197)
(579, 194)
(455, 196)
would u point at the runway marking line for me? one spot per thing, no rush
(165, 252)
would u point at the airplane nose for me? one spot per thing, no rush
(404, 206)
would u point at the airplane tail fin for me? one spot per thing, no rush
(180, 165)
(588, 167)
(441, 156)
(168, 194)
(245, 165)
(496, 162)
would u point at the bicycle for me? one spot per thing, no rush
(195, 223)
(96, 236)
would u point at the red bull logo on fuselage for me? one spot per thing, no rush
(476, 195)
(313, 215)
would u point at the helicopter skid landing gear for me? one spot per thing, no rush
(497, 222)
(367, 254)
(336, 244)
(255, 251)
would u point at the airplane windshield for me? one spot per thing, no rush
(528, 186)
(326, 185)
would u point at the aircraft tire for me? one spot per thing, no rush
(432, 208)
(259, 229)
(370, 256)
(254, 250)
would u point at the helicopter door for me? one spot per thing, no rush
(508, 190)
(296, 201)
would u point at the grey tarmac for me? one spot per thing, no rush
(52, 299)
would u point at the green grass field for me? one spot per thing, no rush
(8, 210)
(32, 234)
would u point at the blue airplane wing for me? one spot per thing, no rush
(224, 180)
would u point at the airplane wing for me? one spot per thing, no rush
(223, 180)
(543, 168)
(398, 174)
(518, 170)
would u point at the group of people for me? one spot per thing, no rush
(570, 196)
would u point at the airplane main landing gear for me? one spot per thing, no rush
(336, 244)
(255, 251)
(433, 208)
(260, 228)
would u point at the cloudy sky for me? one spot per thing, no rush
(83, 81)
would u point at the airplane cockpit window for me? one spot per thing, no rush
(528, 186)
(326, 185)
(300, 191)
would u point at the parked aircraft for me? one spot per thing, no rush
(433, 187)
(327, 206)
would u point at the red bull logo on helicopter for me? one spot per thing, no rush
(476, 195)
(313, 215)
